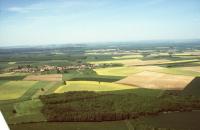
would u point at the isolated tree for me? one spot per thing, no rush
(42, 89)
(14, 111)
(171, 51)
(64, 82)
(145, 54)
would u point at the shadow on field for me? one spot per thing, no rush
(193, 88)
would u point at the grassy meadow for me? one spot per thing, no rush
(15, 89)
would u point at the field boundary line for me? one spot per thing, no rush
(129, 125)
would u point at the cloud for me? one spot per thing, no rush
(55, 5)
(23, 9)
(17, 9)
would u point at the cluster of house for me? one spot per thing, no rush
(51, 68)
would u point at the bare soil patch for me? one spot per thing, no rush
(49, 77)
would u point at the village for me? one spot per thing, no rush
(47, 68)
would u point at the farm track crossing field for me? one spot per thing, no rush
(155, 80)
(46, 88)
(91, 86)
(35, 90)
(14, 89)
(49, 77)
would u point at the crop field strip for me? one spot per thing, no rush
(117, 71)
(49, 77)
(140, 62)
(91, 86)
(166, 81)
(15, 89)
(33, 92)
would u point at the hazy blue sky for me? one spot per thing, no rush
(63, 21)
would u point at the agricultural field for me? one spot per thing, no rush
(117, 71)
(146, 61)
(14, 89)
(101, 87)
(132, 56)
(91, 86)
(147, 79)
(49, 77)
(13, 76)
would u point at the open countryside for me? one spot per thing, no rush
(100, 64)
(115, 87)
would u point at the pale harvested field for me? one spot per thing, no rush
(154, 80)
(128, 56)
(132, 62)
(126, 71)
(49, 77)
(194, 68)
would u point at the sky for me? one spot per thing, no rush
(40, 22)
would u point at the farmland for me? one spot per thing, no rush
(117, 71)
(111, 88)
(166, 81)
(14, 89)
(91, 86)
(50, 77)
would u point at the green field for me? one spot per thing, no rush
(91, 86)
(35, 91)
(14, 89)
(13, 76)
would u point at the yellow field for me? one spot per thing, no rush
(154, 80)
(14, 89)
(128, 56)
(193, 68)
(139, 62)
(123, 61)
(132, 62)
(91, 86)
(49, 77)
(125, 71)
(117, 71)
(11, 63)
